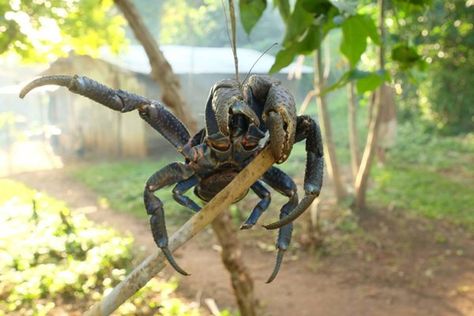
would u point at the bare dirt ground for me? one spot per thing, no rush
(400, 266)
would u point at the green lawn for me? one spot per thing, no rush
(429, 175)
(120, 184)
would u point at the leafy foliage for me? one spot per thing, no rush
(251, 11)
(309, 22)
(202, 23)
(43, 30)
(53, 261)
(440, 36)
(355, 31)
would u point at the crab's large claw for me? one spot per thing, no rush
(117, 100)
(279, 113)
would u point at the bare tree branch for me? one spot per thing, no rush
(325, 123)
(156, 262)
(161, 70)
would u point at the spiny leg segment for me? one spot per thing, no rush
(307, 129)
(181, 188)
(261, 207)
(170, 174)
(282, 183)
(152, 111)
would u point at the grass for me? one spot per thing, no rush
(120, 184)
(429, 175)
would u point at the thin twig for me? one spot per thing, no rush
(156, 262)
(311, 94)
(234, 38)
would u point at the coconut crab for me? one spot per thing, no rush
(240, 121)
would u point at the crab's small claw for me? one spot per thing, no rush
(299, 209)
(173, 263)
(278, 137)
(60, 80)
(278, 262)
(117, 100)
(280, 120)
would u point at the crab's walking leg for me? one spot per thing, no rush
(265, 197)
(181, 188)
(307, 129)
(170, 174)
(151, 111)
(281, 182)
(117, 100)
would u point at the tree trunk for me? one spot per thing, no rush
(353, 131)
(242, 282)
(163, 75)
(161, 70)
(329, 148)
(362, 178)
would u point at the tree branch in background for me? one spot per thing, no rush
(361, 182)
(161, 70)
(353, 130)
(325, 123)
(242, 282)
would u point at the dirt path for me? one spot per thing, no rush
(404, 268)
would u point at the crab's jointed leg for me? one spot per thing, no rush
(169, 175)
(151, 111)
(282, 183)
(181, 188)
(307, 129)
(261, 207)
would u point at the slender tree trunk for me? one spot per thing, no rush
(353, 131)
(362, 178)
(329, 148)
(163, 75)
(161, 70)
(242, 282)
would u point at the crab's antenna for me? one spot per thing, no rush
(259, 57)
(233, 38)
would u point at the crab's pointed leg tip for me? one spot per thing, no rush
(246, 226)
(271, 226)
(276, 269)
(23, 92)
(172, 262)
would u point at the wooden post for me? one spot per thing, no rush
(156, 262)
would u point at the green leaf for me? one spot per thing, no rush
(317, 7)
(369, 81)
(355, 31)
(310, 42)
(283, 59)
(354, 39)
(371, 29)
(343, 80)
(298, 23)
(284, 8)
(365, 80)
(250, 12)
(405, 55)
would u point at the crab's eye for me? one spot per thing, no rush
(218, 143)
(220, 146)
(249, 143)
